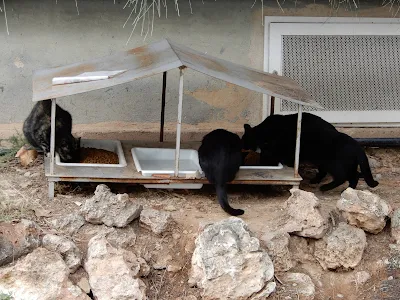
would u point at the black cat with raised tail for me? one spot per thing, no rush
(220, 158)
(37, 128)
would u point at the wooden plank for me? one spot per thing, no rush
(131, 175)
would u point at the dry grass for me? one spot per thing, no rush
(12, 145)
(14, 205)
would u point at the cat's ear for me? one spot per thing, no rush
(246, 127)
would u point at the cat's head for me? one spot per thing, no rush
(69, 149)
(249, 138)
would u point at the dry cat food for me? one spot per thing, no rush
(97, 156)
(252, 158)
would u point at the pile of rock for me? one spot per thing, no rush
(113, 272)
(228, 260)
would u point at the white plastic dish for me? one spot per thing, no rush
(278, 167)
(109, 145)
(151, 161)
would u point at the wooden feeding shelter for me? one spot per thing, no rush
(145, 61)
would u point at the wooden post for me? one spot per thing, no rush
(298, 134)
(272, 109)
(163, 107)
(179, 123)
(52, 146)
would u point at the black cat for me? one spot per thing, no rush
(321, 144)
(37, 129)
(220, 157)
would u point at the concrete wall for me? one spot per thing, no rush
(45, 34)
(49, 34)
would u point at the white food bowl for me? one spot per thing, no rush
(151, 161)
(109, 145)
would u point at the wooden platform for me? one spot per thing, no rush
(129, 174)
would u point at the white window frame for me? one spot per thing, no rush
(370, 26)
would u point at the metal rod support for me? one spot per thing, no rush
(272, 109)
(298, 135)
(179, 123)
(163, 107)
(52, 135)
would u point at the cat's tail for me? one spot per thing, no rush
(223, 201)
(365, 169)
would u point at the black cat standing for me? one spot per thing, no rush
(37, 129)
(220, 158)
(321, 144)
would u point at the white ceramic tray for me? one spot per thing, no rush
(151, 161)
(109, 145)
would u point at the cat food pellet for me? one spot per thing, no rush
(97, 156)
(252, 159)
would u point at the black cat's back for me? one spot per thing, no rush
(37, 128)
(220, 158)
(331, 151)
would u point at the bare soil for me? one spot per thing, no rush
(23, 194)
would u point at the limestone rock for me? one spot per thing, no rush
(121, 237)
(113, 273)
(297, 286)
(17, 239)
(343, 247)
(304, 217)
(41, 275)
(395, 225)
(109, 208)
(361, 277)
(269, 289)
(228, 262)
(301, 250)
(155, 220)
(277, 245)
(364, 209)
(68, 250)
(69, 224)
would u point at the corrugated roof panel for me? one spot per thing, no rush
(274, 85)
(139, 62)
(160, 57)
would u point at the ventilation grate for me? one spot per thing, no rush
(345, 73)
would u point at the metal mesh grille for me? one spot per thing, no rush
(345, 73)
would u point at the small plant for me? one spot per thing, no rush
(5, 297)
(16, 142)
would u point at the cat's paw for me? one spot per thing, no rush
(325, 188)
(374, 184)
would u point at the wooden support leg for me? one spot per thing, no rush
(298, 134)
(179, 123)
(163, 107)
(51, 190)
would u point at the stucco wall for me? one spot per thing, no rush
(50, 34)
(45, 34)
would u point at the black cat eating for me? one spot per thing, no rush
(220, 157)
(321, 144)
(37, 129)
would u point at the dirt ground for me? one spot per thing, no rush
(23, 194)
